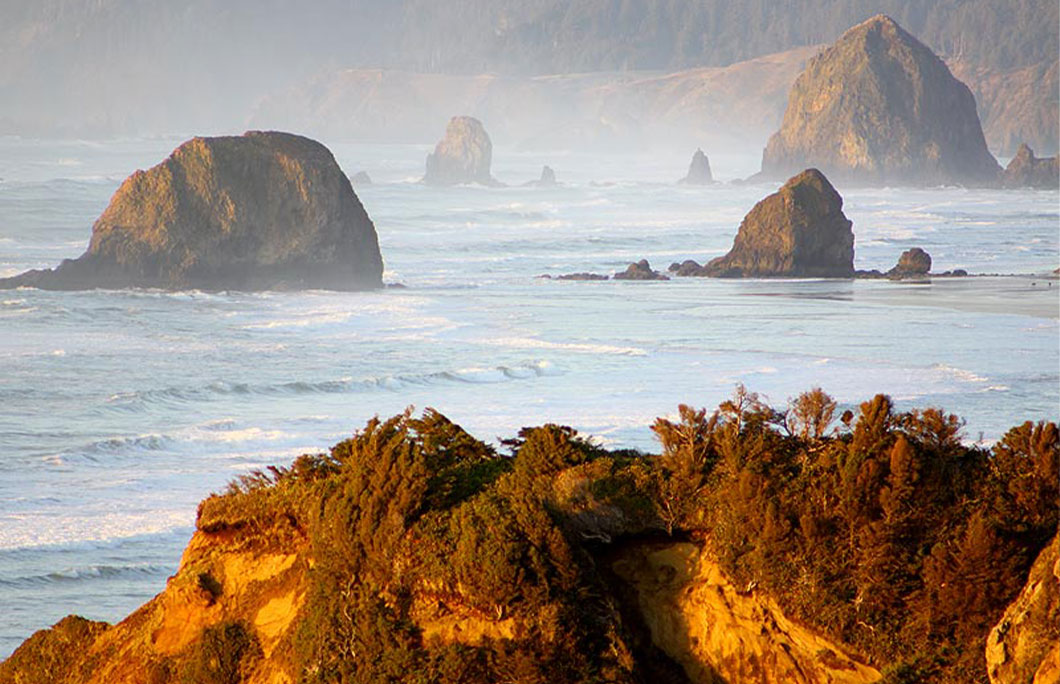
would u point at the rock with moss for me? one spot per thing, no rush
(1028, 171)
(879, 107)
(799, 231)
(698, 170)
(264, 210)
(464, 155)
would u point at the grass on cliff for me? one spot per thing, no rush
(881, 528)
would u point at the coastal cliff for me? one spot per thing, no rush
(821, 552)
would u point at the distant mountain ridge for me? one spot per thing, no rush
(108, 67)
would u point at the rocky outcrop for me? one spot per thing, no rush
(464, 155)
(719, 632)
(798, 231)
(879, 107)
(913, 263)
(264, 210)
(640, 270)
(361, 178)
(232, 588)
(698, 170)
(1027, 171)
(1024, 646)
(547, 179)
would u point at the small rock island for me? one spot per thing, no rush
(1028, 171)
(261, 211)
(698, 170)
(464, 155)
(799, 231)
(879, 107)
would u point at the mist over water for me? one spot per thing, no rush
(124, 409)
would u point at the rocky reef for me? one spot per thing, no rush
(698, 170)
(264, 210)
(798, 231)
(1028, 171)
(640, 270)
(464, 155)
(879, 107)
(758, 545)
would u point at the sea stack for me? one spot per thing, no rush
(1027, 171)
(464, 155)
(914, 263)
(698, 171)
(879, 107)
(798, 231)
(264, 210)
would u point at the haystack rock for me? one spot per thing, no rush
(464, 155)
(1027, 171)
(913, 263)
(798, 231)
(699, 170)
(264, 210)
(879, 107)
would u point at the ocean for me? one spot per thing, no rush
(121, 410)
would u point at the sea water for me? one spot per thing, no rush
(119, 411)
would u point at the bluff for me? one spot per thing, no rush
(464, 155)
(879, 107)
(757, 546)
(264, 210)
(1028, 171)
(798, 231)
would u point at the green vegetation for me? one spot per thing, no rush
(884, 530)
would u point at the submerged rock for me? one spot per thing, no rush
(1027, 171)
(699, 170)
(582, 276)
(879, 107)
(913, 263)
(798, 231)
(264, 210)
(640, 271)
(464, 155)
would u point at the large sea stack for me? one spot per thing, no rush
(879, 107)
(464, 155)
(260, 211)
(798, 231)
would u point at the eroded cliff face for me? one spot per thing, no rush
(879, 107)
(1024, 646)
(230, 590)
(722, 633)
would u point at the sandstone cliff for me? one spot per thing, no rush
(1024, 647)
(720, 632)
(879, 107)
(264, 210)
(464, 155)
(799, 231)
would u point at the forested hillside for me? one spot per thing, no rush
(130, 66)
